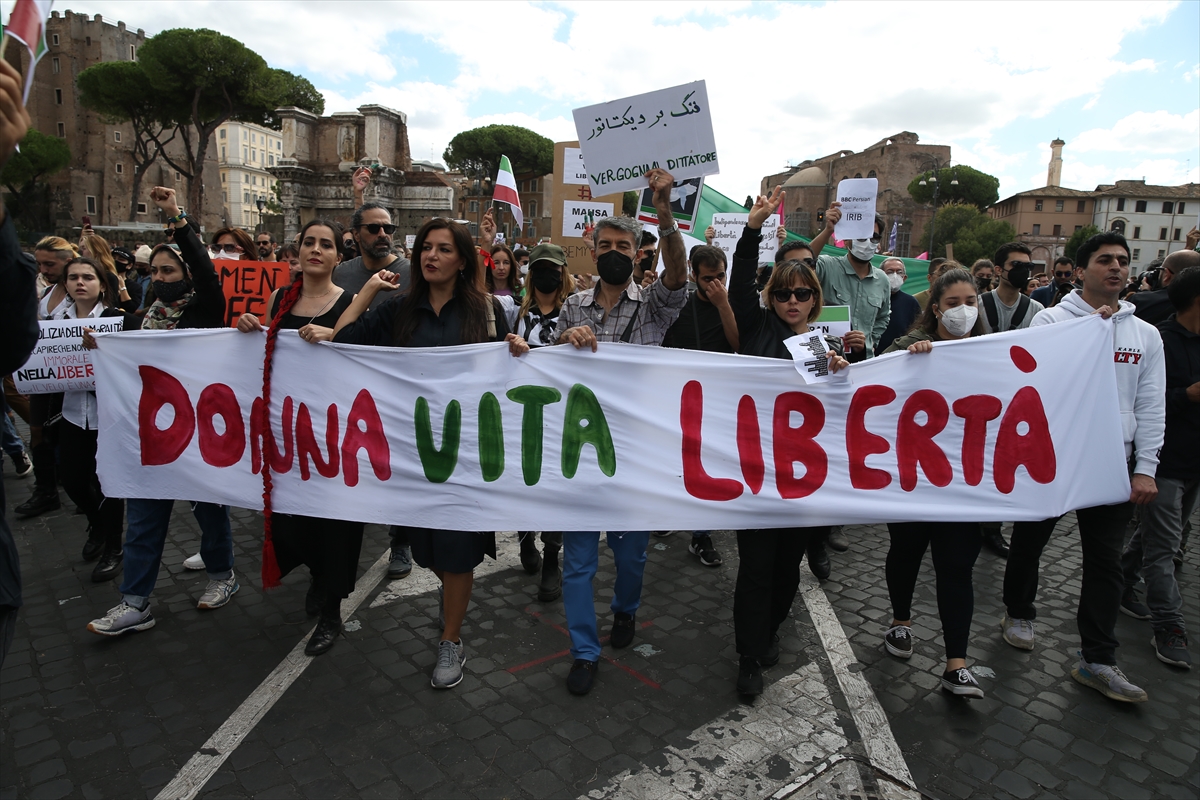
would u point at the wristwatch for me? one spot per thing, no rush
(668, 231)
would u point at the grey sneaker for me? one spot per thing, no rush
(218, 593)
(400, 564)
(1132, 606)
(449, 670)
(1018, 632)
(122, 619)
(1171, 647)
(193, 562)
(899, 641)
(1109, 681)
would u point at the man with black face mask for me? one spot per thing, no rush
(124, 263)
(646, 255)
(617, 310)
(1005, 308)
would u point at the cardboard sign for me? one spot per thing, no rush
(578, 195)
(248, 285)
(574, 172)
(857, 196)
(624, 139)
(729, 227)
(685, 198)
(59, 363)
(833, 321)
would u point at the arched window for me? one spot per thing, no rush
(1118, 226)
(871, 174)
(858, 174)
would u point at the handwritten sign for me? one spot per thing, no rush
(624, 139)
(410, 240)
(809, 356)
(833, 321)
(565, 196)
(685, 197)
(248, 285)
(729, 227)
(59, 363)
(574, 172)
(579, 216)
(857, 196)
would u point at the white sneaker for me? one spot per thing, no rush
(218, 593)
(1109, 681)
(122, 619)
(1018, 632)
(195, 562)
(449, 669)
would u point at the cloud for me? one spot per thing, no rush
(1144, 131)
(1192, 74)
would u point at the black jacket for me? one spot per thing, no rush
(377, 326)
(1180, 454)
(206, 309)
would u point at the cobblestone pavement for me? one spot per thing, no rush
(88, 716)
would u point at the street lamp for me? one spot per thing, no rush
(261, 203)
(937, 167)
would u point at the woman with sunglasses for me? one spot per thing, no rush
(769, 559)
(952, 314)
(232, 243)
(445, 306)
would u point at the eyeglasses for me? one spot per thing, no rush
(803, 294)
(1020, 263)
(224, 248)
(374, 228)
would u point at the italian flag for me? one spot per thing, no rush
(506, 191)
(27, 24)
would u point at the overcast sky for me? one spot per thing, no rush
(1120, 82)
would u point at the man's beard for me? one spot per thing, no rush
(381, 249)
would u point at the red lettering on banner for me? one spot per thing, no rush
(306, 443)
(793, 445)
(861, 443)
(220, 449)
(160, 389)
(977, 411)
(1033, 449)
(369, 437)
(749, 441)
(280, 462)
(914, 442)
(696, 481)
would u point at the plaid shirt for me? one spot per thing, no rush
(652, 311)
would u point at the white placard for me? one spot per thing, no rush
(624, 139)
(834, 321)
(410, 240)
(857, 196)
(574, 172)
(59, 363)
(809, 355)
(579, 215)
(729, 230)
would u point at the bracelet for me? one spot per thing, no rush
(668, 231)
(177, 218)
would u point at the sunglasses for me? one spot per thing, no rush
(224, 248)
(803, 294)
(374, 228)
(1058, 274)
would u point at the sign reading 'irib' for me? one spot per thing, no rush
(669, 129)
(59, 363)
(857, 196)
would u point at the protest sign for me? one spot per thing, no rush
(248, 285)
(410, 240)
(857, 196)
(833, 321)
(624, 139)
(574, 172)
(810, 355)
(729, 227)
(685, 198)
(59, 363)
(569, 197)
(581, 216)
(627, 438)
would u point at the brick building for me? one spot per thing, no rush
(810, 186)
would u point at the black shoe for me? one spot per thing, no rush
(750, 679)
(771, 657)
(400, 563)
(93, 547)
(582, 676)
(818, 560)
(702, 546)
(1132, 606)
(837, 540)
(622, 631)
(314, 600)
(39, 503)
(531, 559)
(328, 628)
(994, 540)
(550, 586)
(108, 566)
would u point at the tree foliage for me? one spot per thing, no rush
(630, 202)
(973, 233)
(1077, 238)
(479, 150)
(974, 187)
(39, 157)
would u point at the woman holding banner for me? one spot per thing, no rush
(187, 295)
(446, 305)
(330, 548)
(769, 559)
(951, 314)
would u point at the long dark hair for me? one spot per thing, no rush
(468, 286)
(928, 321)
(101, 276)
(513, 281)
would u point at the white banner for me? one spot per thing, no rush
(59, 363)
(729, 227)
(624, 139)
(1015, 426)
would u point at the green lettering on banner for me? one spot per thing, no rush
(585, 424)
(534, 399)
(438, 464)
(491, 438)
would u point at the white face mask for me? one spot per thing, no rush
(862, 249)
(224, 255)
(895, 280)
(959, 320)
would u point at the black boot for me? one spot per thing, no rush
(108, 566)
(994, 540)
(818, 558)
(314, 600)
(750, 677)
(42, 501)
(550, 586)
(531, 559)
(94, 545)
(328, 628)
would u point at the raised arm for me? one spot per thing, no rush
(831, 219)
(381, 281)
(674, 254)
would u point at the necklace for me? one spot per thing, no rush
(310, 296)
(324, 308)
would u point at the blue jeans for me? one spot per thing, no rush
(146, 535)
(10, 442)
(581, 557)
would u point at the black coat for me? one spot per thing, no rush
(1180, 454)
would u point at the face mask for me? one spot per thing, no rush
(170, 291)
(960, 320)
(1018, 276)
(614, 268)
(983, 284)
(546, 281)
(646, 263)
(227, 256)
(862, 249)
(895, 280)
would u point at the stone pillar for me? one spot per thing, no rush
(1054, 174)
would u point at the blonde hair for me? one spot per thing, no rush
(57, 245)
(785, 274)
(101, 252)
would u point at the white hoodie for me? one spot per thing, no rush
(1141, 377)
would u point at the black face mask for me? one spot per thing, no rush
(984, 284)
(546, 281)
(614, 268)
(646, 263)
(170, 291)
(1018, 276)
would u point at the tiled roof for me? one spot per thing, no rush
(1186, 191)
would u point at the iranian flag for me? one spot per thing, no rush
(506, 191)
(27, 24)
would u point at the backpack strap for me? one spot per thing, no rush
(1019, 314)
(491, 318)
(993, 314)
(628, 334)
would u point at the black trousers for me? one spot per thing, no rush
(767, 580)
(1101, 534)
(551, 540)
(43, 408)
(329, 547)
(955, 547)
(105, 515)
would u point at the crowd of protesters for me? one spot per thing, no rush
(352, 286)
